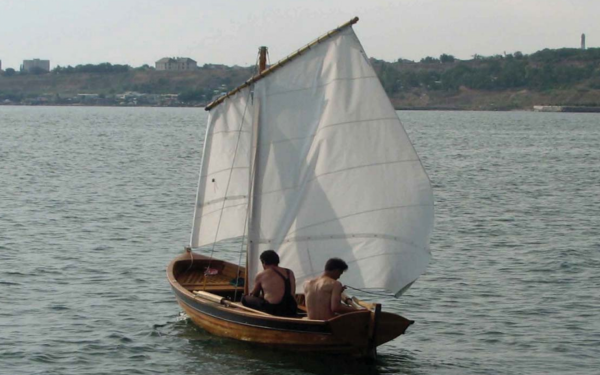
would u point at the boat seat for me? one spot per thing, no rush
(214, 283)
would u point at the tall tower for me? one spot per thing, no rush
(582, 41)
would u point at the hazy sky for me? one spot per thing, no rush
(137, 32)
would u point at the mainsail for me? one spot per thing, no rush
(335, 172)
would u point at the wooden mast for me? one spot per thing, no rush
(262, 60)
(262, 66)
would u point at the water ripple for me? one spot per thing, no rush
(98, 200)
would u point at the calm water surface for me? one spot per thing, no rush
(94, 202)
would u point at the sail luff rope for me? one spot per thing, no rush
(368, 292)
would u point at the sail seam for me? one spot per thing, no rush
(219, 210)
(329, 126)
(230, 198)
(358, 121)
(221, 171)
(360, 213)
(321, 86)
(366, 258)
(226, 131)
(338, 171)
(326, 237)
(362, 166)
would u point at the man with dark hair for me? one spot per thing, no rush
(277, 286)
(269, 257)
(336, 264)
(324, 294)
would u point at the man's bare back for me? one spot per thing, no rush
(277, 285)
(272, 285)
(323, 295)
(318, 293)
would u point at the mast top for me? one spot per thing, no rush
(262, 60)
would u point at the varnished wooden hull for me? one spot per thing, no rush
(347, 333)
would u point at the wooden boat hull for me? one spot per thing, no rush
(348, 333)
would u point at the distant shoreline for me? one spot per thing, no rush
(566, 109)
(567, 78)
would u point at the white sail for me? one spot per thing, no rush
(337, 175)
(222, 198)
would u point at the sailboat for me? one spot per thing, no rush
(307, 157)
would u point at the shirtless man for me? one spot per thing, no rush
(277, 285)
(324, 294)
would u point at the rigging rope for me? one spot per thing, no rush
(368, 292)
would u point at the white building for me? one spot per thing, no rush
(177, 64)
(29, 65)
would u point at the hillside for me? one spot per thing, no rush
(200, 85)
(568, 77)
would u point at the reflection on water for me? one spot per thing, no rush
(247, 358)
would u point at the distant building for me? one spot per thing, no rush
(29, 65)
(582, 41)
(179, 63)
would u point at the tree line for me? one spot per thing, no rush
(546, 69)
(106, 68)
(542, 70)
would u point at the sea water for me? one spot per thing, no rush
(94, 203)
